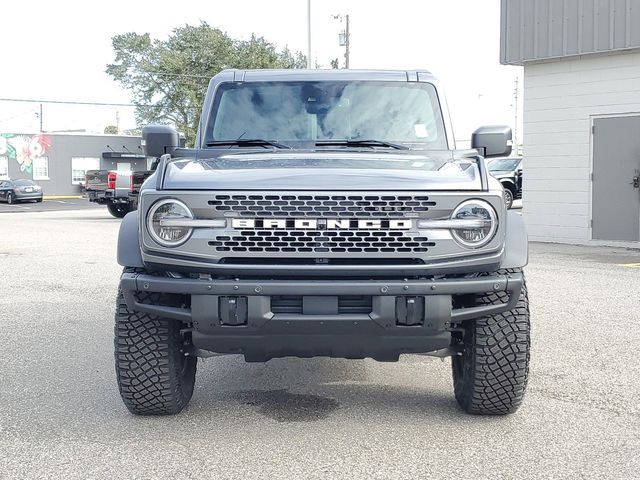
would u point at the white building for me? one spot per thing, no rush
(581, 63)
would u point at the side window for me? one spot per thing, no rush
(79, 167)
(4, 167)
(41, 168)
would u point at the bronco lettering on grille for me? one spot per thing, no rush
(320, 224)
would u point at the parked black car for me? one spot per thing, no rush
(12, 191)
(509, 172)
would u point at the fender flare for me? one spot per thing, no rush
(129, 254)
(508, 183)
(516, 247)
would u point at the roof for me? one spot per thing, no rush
(334, 74)
(550, 29)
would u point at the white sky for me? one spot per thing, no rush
(58, 50)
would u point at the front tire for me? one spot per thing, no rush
(10, 199)
(490, 377)
(118, 210)
(508, 197)
(154, 375)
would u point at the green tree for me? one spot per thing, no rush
(111, 130)
(168, 78)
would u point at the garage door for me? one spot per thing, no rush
(616, 179)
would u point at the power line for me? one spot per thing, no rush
(150, 72)
(63, 102)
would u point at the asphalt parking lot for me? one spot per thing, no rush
(49, 205)
(61, 415)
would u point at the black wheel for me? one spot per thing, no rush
(155, 377)
(508, 197)
(10, 199)
(490, 377)
(118, 210)
(39, 200)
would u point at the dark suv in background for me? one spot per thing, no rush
(509, 172)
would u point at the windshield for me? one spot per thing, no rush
(23, 183)
(290, 112)
(503, 164)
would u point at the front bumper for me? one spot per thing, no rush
(263, 334)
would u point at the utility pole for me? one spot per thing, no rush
(346, 42)
(344, 38)
(308, 33)
(40, 116)
(118, 121)
(515, 129)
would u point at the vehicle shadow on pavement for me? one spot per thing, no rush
(307, 390)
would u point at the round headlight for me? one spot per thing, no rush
(162, 220)
(484, 216)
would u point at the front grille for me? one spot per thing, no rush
(339, 241)
(312, 205)
(347, 304)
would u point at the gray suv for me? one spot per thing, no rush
(322, 213)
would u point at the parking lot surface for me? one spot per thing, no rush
(61, 415)
(49, 205)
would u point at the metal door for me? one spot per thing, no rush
(616, 179)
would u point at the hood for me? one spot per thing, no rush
(502, 173)
(324, 170)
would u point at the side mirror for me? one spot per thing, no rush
(159, 139)
(492, 141)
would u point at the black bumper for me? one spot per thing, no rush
(262, 334)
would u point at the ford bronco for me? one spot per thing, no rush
(322, 213)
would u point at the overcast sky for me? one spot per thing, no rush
(58, 49)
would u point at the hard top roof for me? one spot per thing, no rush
(333, 74)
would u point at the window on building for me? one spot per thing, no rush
(41, 168)
(4, 167)
(123, 167)
(79, 167)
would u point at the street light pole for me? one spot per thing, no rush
(344, 38)
(347, 41)
(308, 33)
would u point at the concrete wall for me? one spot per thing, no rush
(560, 99)
(23, 152)
(544, 29)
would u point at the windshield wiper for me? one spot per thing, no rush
(361, 143)
(247, 142)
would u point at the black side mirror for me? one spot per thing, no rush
(492, 141)
(158, 140)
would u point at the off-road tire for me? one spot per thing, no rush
(118, 210)
(490, 377)
(154, 375)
